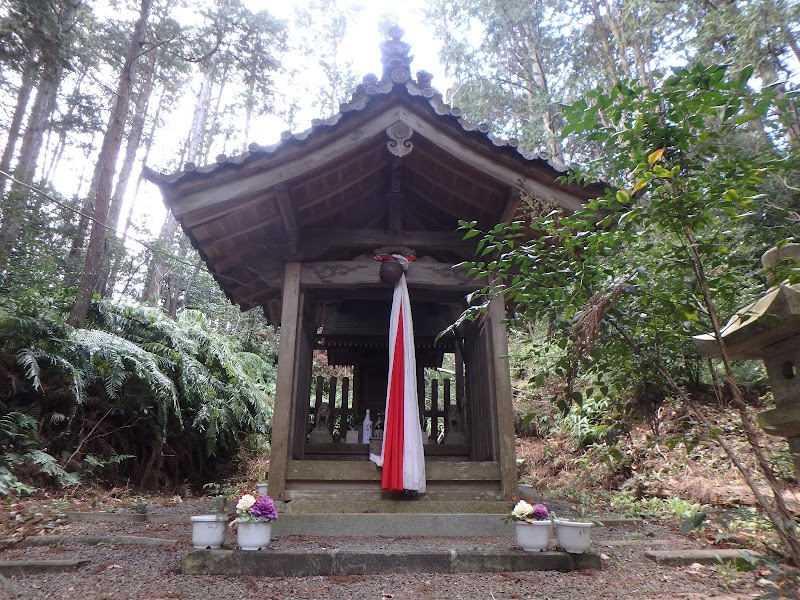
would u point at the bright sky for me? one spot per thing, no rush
(362, 41)
(361, 47)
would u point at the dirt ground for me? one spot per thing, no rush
(139, 572)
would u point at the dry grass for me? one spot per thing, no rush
(255, 467)
(679, 463)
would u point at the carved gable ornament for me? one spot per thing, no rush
(400, 134)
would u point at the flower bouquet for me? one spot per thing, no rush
(254, 516)
(527, 513)
(254, 508)
(532, 525)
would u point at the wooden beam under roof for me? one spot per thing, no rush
(318, 242)
(340, 207)
(211, 247)
(414, 220)
(213, 214)
(433, 165)
(440, 207)
(513, 199)
(440, 189)
(284, 172)
(343, 185)
(495, 169)
(394, 198)
(332, 275)
(289, 219)
(394, 204)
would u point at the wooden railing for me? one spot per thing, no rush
(339, 400)
(434, 401)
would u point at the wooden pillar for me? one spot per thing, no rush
(459, 378)
(503, 406)
(284, 388)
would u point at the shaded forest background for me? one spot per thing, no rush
(120, 360)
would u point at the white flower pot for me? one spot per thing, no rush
(253, 535)
(208, 531)
(533, 537)
(261, 488)
(573, 536)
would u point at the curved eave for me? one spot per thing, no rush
(429, 111)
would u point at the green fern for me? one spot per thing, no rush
(49, 465)
(131, 377)
(116, 359)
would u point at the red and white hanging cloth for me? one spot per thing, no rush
(402, 454)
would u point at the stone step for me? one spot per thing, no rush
(621, 522)
(323, 562)
(636, 542)
(11, 568)
(95, 540)
(443, 507)
(92, 517)
(682, 558)
(392, 525)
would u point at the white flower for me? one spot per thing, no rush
(245, 502)
(522, 510)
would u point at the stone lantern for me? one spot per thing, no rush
(769, 329)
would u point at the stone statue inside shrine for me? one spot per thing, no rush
(322, 431)
(454, 427)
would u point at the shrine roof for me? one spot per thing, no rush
(396, 79)
(395, 166)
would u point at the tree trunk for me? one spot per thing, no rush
(200, 118)
(527, 42)
(15, 204)
(196, 140)
(156, 274)
(43, 106)
(129, 219)
(107, 160)
(72, 269)
(15, 126)
(208, 141)
(58, 151)
(113, 243)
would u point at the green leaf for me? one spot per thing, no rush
(639, 185)
(731, 195)
(693, 522)
(744, 77)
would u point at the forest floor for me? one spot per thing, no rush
(139, 572)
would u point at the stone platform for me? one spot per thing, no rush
(393, 525)
(325, 562)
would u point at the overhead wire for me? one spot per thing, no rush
(124, 236)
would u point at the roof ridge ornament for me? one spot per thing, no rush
(395, 58)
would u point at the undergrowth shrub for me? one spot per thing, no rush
(135, 397)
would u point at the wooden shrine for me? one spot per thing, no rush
(294, 228)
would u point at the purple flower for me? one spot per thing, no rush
(540, 512)
(264, 509)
